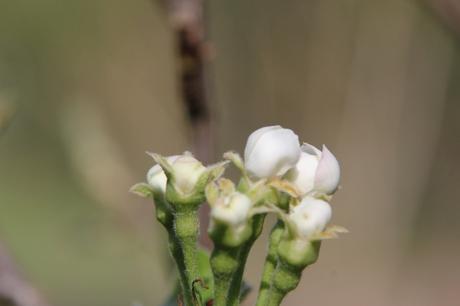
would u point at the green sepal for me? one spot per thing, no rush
(197, 195)
(142, 189)
(163, 162)
(228, 236)
(243, 185)
(178, 199)
(163, 211)
(298, 253)
(236, 159)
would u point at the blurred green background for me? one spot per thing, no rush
(94, 84)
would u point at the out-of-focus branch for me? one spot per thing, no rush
(14, 289)
(194, 52)
(449, 11)
(187, 19)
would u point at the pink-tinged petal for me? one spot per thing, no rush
(310, 149)
(304, 173)
(328, 173)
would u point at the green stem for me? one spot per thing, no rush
(163, 212)
(184, 250)
(285, 279)
(235, 285)
(165, 216)
(224, 263)
(276, 297)
(228, 265)
(266, 284)
(178, 256)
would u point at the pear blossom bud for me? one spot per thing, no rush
(315, 171)
(232, 210)
(310, 216)
(156, 176)
(271, 151)
(187, 171)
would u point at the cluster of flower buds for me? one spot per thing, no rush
(278, 175)
(274, 158)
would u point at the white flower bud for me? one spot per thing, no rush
(186, 170)
(315, 171)
(156, 176)
(310, 216)
(271, 151)
(232, 210)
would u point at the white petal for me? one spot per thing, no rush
(232, 210)
(303, 175)
(312, 150)
(311, 216)
(328, 173)
(271, 152)
(187, 170)
(157, 178)
(255, 136)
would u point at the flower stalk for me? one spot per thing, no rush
(185, 251)
(228, 263)
(271, 262)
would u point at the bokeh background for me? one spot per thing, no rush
(86, 87)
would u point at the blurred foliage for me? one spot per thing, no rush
(377, 80)
(73, 249)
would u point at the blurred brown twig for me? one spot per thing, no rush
(194, 52)
(449, 11)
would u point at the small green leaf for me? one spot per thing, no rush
(236, 159)
(215, 171)
(142, 189)
(163, 162)
(212, 193)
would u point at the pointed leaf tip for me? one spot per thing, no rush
(142, 189)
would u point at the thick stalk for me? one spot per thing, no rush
(228, 265)
(165, 216)
(183, 244)
(276, 297)
(178, 256)
(266, 284)
(224, 263)
(285, 279)
(235, 286)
